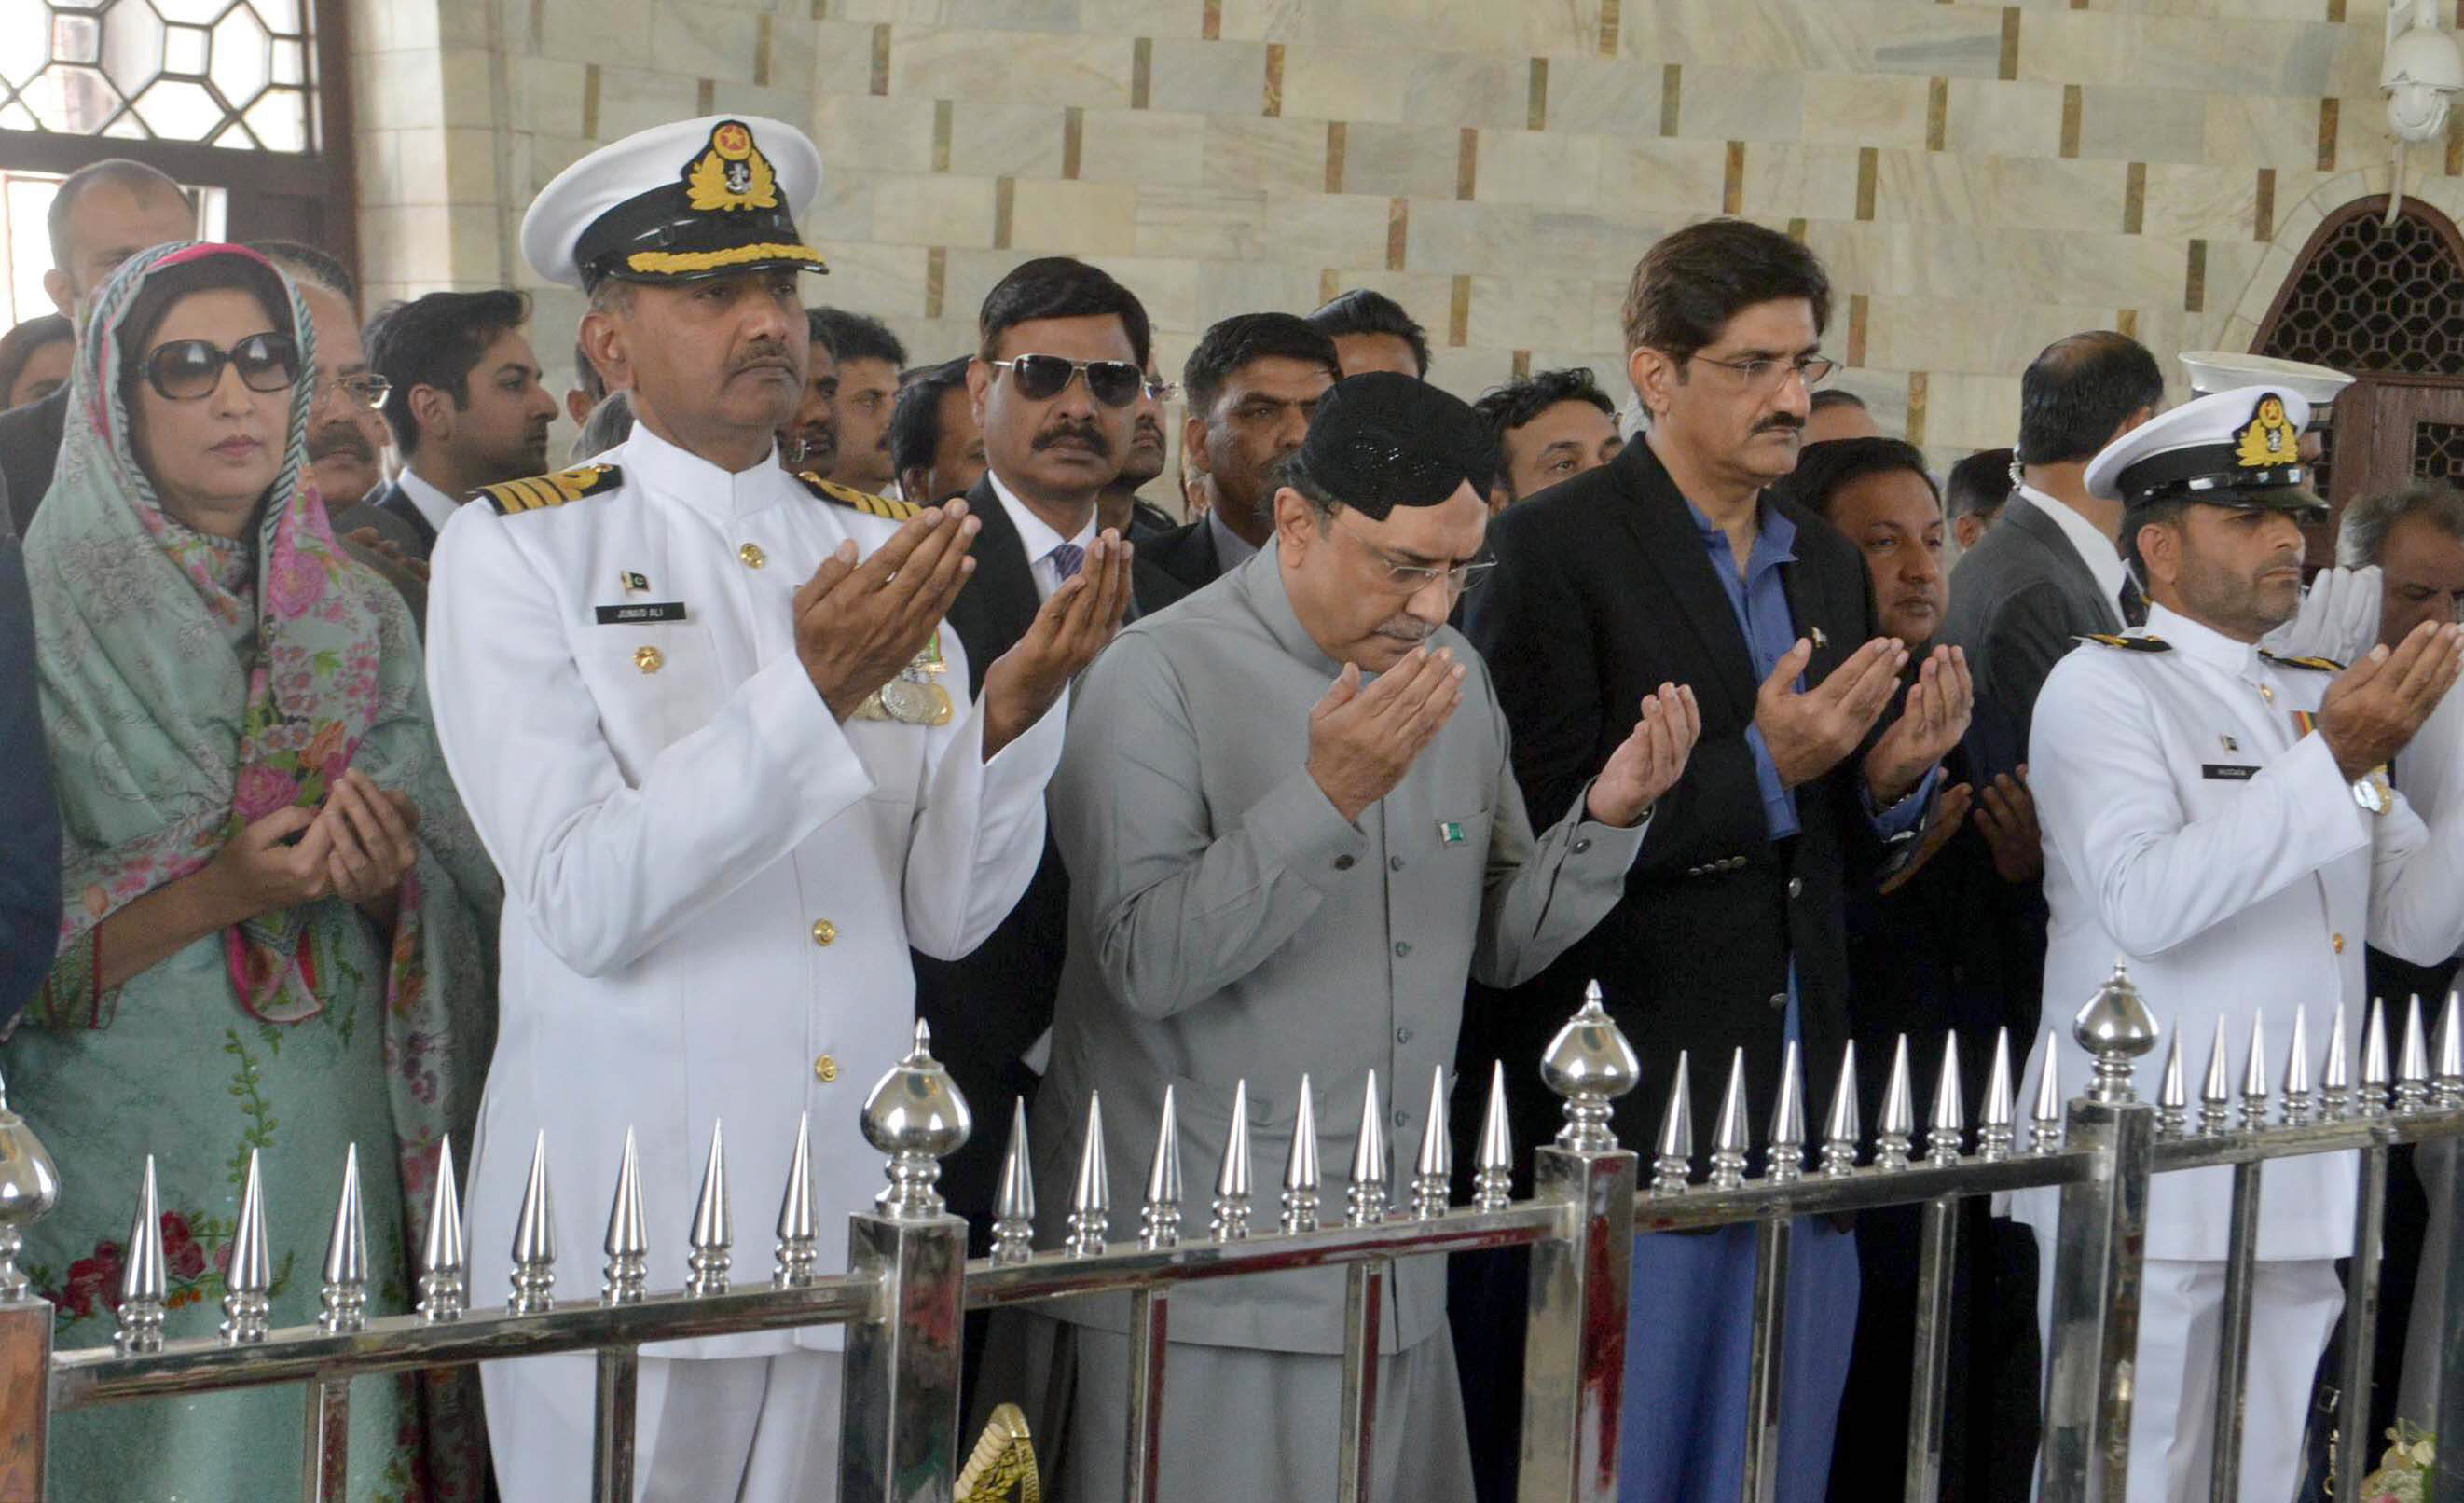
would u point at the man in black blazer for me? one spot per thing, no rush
(1671, 564)
(1252, 383)
(1049, 455)
(2048, 572)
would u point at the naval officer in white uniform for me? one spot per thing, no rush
(2220, 819)
(710, 727)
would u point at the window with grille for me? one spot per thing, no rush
(2383, 304)
(227, 73)
(242, 102)
(2438, 451)
(2373, 296)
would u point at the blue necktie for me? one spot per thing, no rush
(1068, 558)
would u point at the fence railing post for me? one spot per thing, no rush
(28, 1188)
(2098, 1258)
(899, 1424)
(1574, 1356)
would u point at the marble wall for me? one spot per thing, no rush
(1979, 177)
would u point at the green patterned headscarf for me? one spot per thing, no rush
(190, 685)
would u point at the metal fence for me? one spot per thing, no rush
(908, 1280)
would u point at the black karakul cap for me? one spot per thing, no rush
(1380, 440)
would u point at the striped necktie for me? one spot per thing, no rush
(1068, 558)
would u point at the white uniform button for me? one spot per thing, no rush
(825, 933)
(825, 1068)
(753, 556)
(650, 659)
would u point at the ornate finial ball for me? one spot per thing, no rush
(1590, 1058)
(915, 1107)
(30, 1186)
(2116, 1024)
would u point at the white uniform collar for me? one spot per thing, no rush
(2204, 642)
(435, 507)
(652, 461)
(1034, 533)
(2094, 548)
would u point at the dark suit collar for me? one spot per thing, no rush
(1672, 546)
(1003, 579)
(391, 498)
(2030, 519)
(1186, 553)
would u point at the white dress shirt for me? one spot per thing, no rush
(1039, 538)
(435, 506)
(2095, 549)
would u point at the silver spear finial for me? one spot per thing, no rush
(2174, 1096)
(444, 1271)
(345, 1292)
(248, 1283)
(1230, 1220)
(2449, 1094)
(1731, 1138)
(1159, 1218)
(1947, 1126)
(1300, 1167)
(1842, 1127)
(143, 1285)
(2216, 1093)
(1492, 1169)
(1894, 1134)
(2412, 1065)
(1787, 1158)
(625, 1281)
(2253, 1076)
(2372, 1099)
(534, 1275)
(2045, 1119)
(712, 1244)
(1014, 1207)
(1674, 1166)
(1090, 1199)
(1997, 1129)
(1433, 1171)
(2296, 1070)
(1364, 1203)
(792, 1264)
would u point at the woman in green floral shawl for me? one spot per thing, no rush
(277, 935)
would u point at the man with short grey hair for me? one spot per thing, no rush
(2412, 537)
(102, 214)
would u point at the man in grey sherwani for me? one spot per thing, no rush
(1292, 836)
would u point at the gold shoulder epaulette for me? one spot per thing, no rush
(2129, 644)
(2317, 664)
(864, 501)
(544, 491)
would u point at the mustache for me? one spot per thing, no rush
(1147, 431)
(1408, 628)
(1087, 434)
(766, 352)
(342, 439)
(1781, 422)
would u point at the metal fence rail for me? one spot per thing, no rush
(907, 1282)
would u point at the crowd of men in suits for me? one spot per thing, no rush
(1421, 717)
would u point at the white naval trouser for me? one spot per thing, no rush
(2294, 1307)
(748, 1429)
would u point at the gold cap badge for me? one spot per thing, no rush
(2270, 438)
(731, 172)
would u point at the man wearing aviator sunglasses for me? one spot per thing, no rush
(1055, 386)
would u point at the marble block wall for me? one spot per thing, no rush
(1980, 178)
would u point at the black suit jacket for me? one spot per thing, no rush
(1603, 591)
(30, 819)
(29, 448)
(395, 503)
(987, 1008)
(1186, 553)
(2019, 600)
